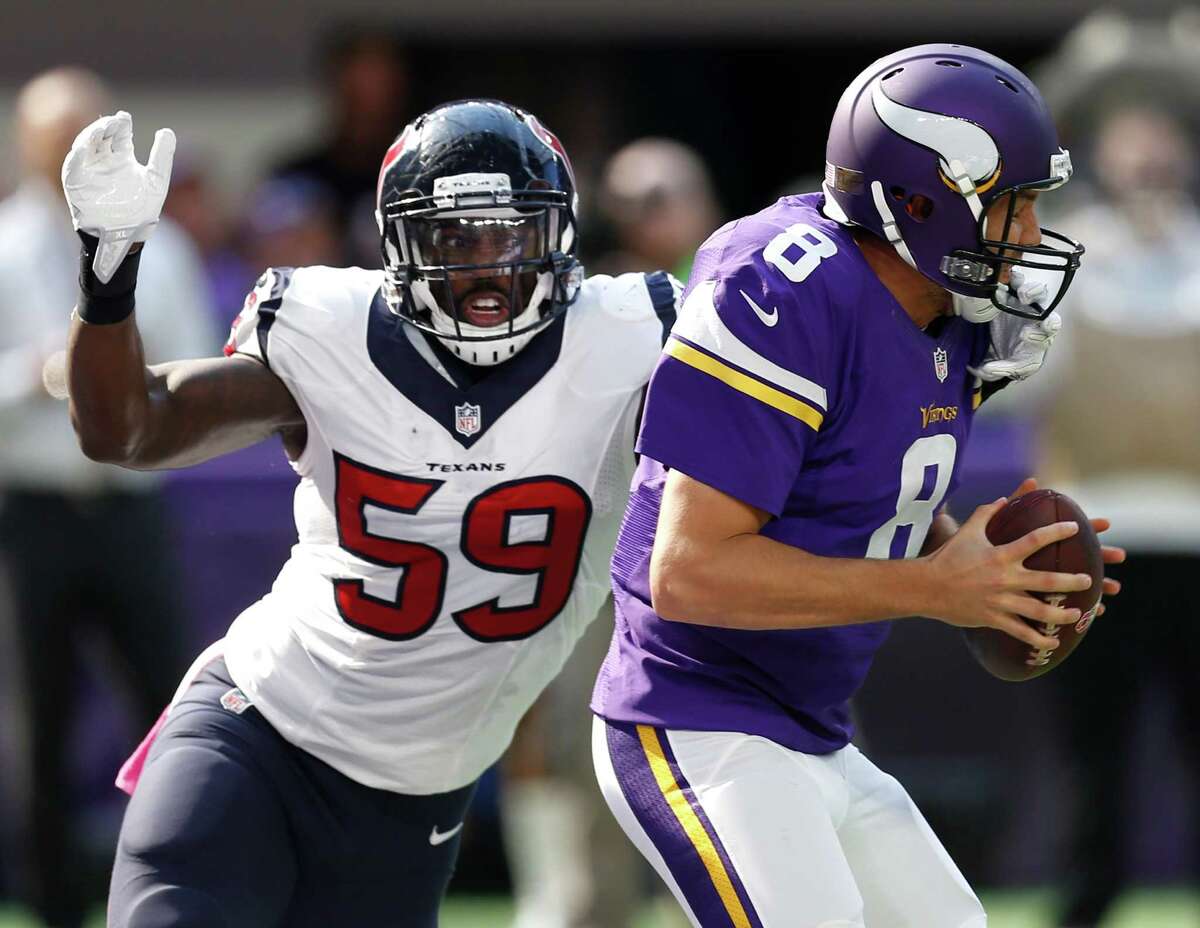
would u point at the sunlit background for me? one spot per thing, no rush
(1067, 801)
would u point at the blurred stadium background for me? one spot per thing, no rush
(749, 86)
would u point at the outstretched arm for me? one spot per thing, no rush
(169, 415)
(124, 412)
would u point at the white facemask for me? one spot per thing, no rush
(494, 350)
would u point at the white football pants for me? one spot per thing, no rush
(750, 834)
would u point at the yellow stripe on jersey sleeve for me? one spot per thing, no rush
(743, 383)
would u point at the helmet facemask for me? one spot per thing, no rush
(480, 267)
(975, 275)
(983, 268)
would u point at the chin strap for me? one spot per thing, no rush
(891, 231)
(979, 309)
(972, 308)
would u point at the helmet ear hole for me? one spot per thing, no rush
(919, 207)
(898, 193)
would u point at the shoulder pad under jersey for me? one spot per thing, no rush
(619, 324)
(295, 305)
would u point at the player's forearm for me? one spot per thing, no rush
(109, 393)
(753, 582)
(174, 414)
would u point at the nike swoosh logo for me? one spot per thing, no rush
(441, 837)
(767, 318)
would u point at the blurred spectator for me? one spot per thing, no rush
(658, 195)
(195, 203)
(290, 222)
(365, 73)
(86, 545)
(1122, 433)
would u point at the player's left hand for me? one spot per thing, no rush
(1109, 553)
(1019, 346)
(111, 195)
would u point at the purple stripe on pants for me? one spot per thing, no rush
(645, 797)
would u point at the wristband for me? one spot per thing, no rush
(106, 303)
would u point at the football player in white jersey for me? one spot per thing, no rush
(462, 425)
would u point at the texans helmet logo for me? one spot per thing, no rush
(390, 158)
(550, 140)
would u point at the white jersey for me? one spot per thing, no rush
(453, 542)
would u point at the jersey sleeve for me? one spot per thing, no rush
(621, 323)
(664, 292)
(251, 329)
(741, 390)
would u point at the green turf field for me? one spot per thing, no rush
(1147, 908)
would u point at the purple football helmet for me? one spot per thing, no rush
(921, 143)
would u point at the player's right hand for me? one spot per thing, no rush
(111, 195)
(977, 584)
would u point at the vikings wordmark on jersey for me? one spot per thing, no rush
(794, 382)
(454, 537)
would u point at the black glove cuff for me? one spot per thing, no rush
(106, 303)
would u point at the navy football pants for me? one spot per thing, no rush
(231, 826)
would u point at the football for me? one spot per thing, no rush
(1004, 656)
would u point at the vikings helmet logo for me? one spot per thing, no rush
(967, 155)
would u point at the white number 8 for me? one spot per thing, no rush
(932, 451)
(814, 244)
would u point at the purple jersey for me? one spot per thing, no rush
(795, 382)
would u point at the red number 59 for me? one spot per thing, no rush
(486, 541)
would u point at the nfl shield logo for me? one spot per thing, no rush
(235, 701)
(466, 419)
(941, 365)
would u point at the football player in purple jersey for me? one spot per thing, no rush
(802, 428)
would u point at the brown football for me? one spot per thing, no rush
(1004, 656)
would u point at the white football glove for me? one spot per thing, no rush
(1027, 290)
(111, 196)
(1019, 347)
(1020, 291)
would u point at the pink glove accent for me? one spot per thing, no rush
(131, 770)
